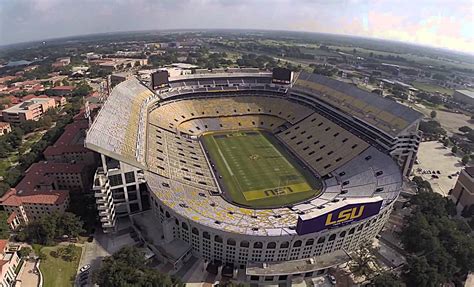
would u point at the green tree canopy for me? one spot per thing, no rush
(440, 245)
(465, 159)
(51, 226)
(465, 129)
(127, 267)
(387, 279)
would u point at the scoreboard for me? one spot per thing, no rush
(159, 79)
(282, 76)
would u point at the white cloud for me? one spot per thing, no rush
(421, 21)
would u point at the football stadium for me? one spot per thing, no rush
(266, 177)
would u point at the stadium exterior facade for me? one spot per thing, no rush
(358, 143)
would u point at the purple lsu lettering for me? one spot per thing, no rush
(344, 215)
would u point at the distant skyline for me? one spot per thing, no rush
(438, 23)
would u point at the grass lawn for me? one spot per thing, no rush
(29, 141)
(430, 88)
(56, 271)
(12, 160)
(256, 171)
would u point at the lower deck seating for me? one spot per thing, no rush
(179, 158)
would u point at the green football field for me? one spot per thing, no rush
(255, 171)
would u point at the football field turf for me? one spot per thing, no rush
(255, 171)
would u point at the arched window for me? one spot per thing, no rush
(332, 237)
(309, 242)
(342, 234)
(258, 245)
(297, 243)
(195, 231)
(167, 214)
(217, 238)
(271, 245)
(352, 231)
(184, 225)
(285, 244)
(176, 222)
(231, 241)
(206, 235)
(245, 244)
(321, 240)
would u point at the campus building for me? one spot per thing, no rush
(464, 96)
(463, 192)
(69, 147)
(9, 261)
(31, 109)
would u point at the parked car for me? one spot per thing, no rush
(332, 279)
(85, 268)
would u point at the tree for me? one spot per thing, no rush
(387, 279)
(465, 159)
(419, 273)
(433, 114)
(361, 261)
(67, 253)
(447, 142)
(432, 128)
(440, 77)
(127, 267)
(51, 226)
(454, 149)
(422, 184)
(82, 90)
(465, 129)
(4, 187)
(441, 248)
(69, 224)
(13, 176)
(24, 252)
(470, 135)
(4, 227)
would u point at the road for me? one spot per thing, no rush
(93, 253)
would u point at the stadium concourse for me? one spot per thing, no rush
(207, 165)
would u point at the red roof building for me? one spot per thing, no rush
(70, 146)
(45, 188)
(55, 176)
(13, 220)
(61, 90)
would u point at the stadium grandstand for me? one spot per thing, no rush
(275, 179)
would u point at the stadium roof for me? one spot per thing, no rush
(466, 93)
(385, 114)
(120, 124)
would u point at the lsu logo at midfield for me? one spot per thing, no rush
(344, 215)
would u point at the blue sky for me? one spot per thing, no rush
(439, 23)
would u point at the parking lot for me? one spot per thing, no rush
(434, 157)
